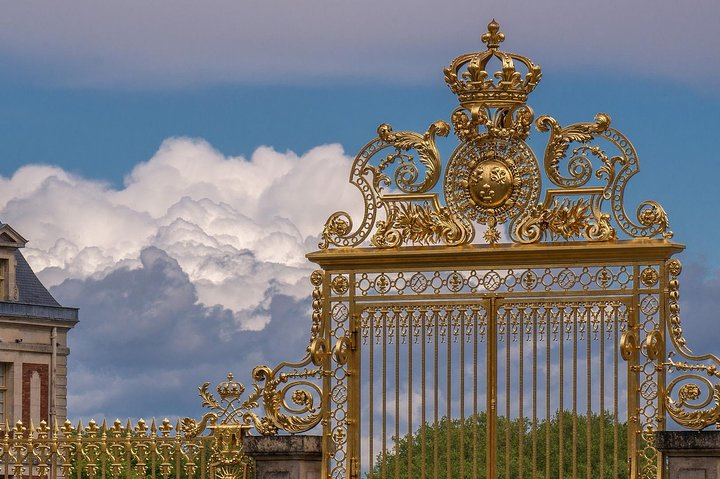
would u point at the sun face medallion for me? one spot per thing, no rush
(491, 180)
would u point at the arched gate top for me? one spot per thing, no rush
(493, 178)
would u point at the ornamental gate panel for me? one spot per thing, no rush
(555, 350)
(471, 369)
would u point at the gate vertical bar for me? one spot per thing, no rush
(491, 407)
(631, 344)
(325, 328)
(354, 380)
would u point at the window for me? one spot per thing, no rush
(3, 391)
(4, 289)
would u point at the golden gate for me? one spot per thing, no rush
(555, 349)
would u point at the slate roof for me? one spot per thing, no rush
(30, 289)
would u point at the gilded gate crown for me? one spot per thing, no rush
(493, 178)
(468, 78)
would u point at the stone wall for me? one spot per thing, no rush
(690, 454)
(285, 457)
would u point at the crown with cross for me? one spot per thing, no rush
(468, 78)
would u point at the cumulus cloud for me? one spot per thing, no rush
(239, 228)
(183, 42)
(144, 343)
(193, 269)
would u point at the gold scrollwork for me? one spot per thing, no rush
(272, 386)
(698, 399)
(371, 179)
(629, 344)
(407, 174)
(685, 411)
(560, 138)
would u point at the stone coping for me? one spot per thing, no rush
(688, 441)
(289, 447)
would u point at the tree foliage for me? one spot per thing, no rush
(461, 447)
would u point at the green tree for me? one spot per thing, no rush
(461, 447)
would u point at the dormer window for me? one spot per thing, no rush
(4, 280)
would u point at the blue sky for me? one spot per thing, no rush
(168, 126)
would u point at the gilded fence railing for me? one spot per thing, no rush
(286, 398)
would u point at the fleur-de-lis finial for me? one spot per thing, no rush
(493, 37)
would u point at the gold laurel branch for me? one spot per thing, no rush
(567, 220)
(207, 397)
(421, 223)
(407, 174)
(559, 142)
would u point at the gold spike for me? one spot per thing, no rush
(32, 427)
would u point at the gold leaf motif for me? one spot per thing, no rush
(567, 220)
(207, 397)
(420, 224)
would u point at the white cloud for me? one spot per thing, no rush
(237, 227)
(184, 42)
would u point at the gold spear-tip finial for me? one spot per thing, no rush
(493, 37)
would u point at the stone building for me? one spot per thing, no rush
(33, 340)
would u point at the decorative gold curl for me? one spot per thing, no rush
(558, 143)
(407, 173)
(689, 415)
(371, 179)
(274, 400)
(272, 387)
(652, 220)
(683, 411)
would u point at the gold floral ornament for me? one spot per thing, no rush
(493, 177)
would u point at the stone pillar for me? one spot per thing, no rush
(690, 454)
(285, 457)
